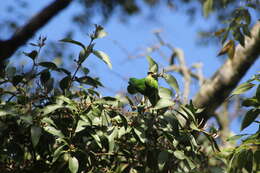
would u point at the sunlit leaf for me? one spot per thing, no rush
(104, 57)
(250, 102)
(171, 81)
(242, 88)
(97, 140)
(140, 134)
(111, 139)
(67, 40)
(165, 93)
(81, 125)
(207, 7)
(73, 164)
(36, 133)
(153, 66)
(179, 154)
(228, 48)
(50, 108)
(57, 153)
(163, 103)
(236, 137)
(53, 131)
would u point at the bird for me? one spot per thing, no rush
(147, 86)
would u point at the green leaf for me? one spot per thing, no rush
(73, 164)
(45, 76)
(140, 134)
(124, 121)
(165, 93)
(189, 113)
(162, 159)
(49, 85)
(97, 140)
(225, 36)
(111, 139)
(89, 81)
(257, 94)
(36, 133)
(57, 153)
(50, 108)
(171, 81)
(65, 83)
(33, 54)
(236, 137)
(249, 160)
(246, 30)
(17, 79)
(67, 40)
(213, 143)
(247, 17)
(10, 72)
(121, 168)
(81, 125)
(163, 103)
(207, 7)
(53, 131)
(64, 71)
(250, 102)
(84, 53)
(85, 70)
(153, 66)
(179, 154)
(257, 158)
(250, 116)
(103, 56)
(239, 36)
(242, 88)
(49, 65)
(47, 120)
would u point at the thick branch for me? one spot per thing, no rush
(8, 47)
(219, 87)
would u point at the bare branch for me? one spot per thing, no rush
(212, 94)
(8, 47)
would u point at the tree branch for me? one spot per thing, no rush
(8, 47)
(219, 87)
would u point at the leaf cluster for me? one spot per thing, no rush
(66, 125)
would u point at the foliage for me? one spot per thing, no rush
(55, 120)
(245, 157)
(57, 126)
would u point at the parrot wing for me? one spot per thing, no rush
(136, 85)
(152, 89)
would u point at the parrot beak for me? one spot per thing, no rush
(154, 75)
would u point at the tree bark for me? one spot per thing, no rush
(8, 47)
(214, 92)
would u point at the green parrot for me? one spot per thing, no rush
(147, 86)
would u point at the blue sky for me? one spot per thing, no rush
(135, 34)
